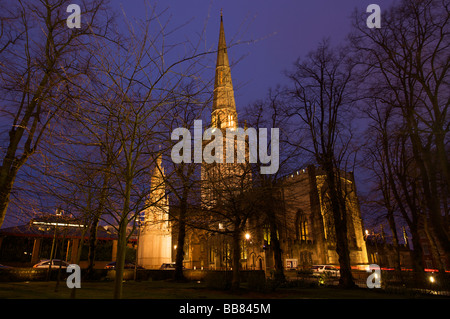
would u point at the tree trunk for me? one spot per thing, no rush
(393, 228)
(5, 192)
(417, 252)
(235, 282)
(429, 184)
(92, 246)
(270, 201)
(277, 253)
(340, 226)
(120, 259)
(434, 248)
(77, 259)
(346, 278)
(179, 276)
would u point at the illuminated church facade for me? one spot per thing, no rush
(306, 232)
(155, 233)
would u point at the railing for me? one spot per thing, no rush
(416, 282)
(406, 282)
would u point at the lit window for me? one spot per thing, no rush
(303, 230)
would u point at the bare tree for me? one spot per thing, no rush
(227, 201)
(138, 83)
(408, 62)
(184, 180)
(269, 113)
(321, 97)
(388, 160)
(39, 54)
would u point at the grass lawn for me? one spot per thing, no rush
(172, 290)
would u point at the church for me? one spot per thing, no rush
(155, 234)
(306, 232)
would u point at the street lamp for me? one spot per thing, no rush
(246, 250)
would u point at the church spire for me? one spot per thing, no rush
(224, 107)
(158, 171)
(222, 55)
(158, 187)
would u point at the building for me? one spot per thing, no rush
(382, 251)
(306, 231)
(56, 236)
(433, 253)
(155, 233)
(307, 235)
(222, 179)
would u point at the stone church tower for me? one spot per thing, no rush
(224, 113)
(306, 233)
(220, 180)
(155, 238)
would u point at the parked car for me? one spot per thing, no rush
(128, 265)
(318, 270)
(167, 266)
(56, 263)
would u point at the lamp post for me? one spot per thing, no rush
(247, 238)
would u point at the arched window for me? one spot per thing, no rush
(304, 234)
(230, 120)
(302, 226)
(266, 232)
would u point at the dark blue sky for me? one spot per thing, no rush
(280, 31)
(273, 34)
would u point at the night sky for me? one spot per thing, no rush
(266, 36)
(279, 32)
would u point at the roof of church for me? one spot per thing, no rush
(222, 54)
(223, 86)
